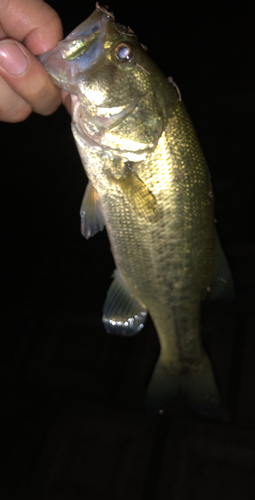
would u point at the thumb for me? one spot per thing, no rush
(24, 84)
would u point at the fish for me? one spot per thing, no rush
(149, 185)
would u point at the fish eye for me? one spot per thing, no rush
(124, 52)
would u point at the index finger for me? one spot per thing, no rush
(33, 22)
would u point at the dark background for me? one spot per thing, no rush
(72, 396)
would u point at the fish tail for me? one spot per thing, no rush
(199, 390)
(194, 383)
(164, 385)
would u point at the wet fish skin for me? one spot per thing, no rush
(150, 186)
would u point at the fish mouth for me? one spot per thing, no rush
(79, 52)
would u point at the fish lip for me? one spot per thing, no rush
(62, 71)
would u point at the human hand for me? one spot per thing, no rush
(24, 83)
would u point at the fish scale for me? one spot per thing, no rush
(150, 186)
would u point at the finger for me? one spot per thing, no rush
(33, 22)
(2, 32)
(27, 78)
(12, 107)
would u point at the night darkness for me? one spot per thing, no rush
(72, 396)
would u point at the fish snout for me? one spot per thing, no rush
(82, 49)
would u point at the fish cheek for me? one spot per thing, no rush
(105, 87)
(112, 84)
(92, 90)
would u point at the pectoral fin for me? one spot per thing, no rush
(92, 219)
(138, 194)
(122, 313)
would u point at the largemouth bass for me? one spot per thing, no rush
(149, 185)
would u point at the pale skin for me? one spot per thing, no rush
(27, 28)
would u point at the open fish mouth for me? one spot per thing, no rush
(79, 52)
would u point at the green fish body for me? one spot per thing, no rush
(149, 185)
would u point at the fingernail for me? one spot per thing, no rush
(12, 59)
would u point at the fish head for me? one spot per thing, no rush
(119, 92)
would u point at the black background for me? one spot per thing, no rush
(72, 396)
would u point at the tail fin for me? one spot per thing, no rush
(164, 386)
(222, 286)
(197, 388)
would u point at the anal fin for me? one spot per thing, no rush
(122, 313)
